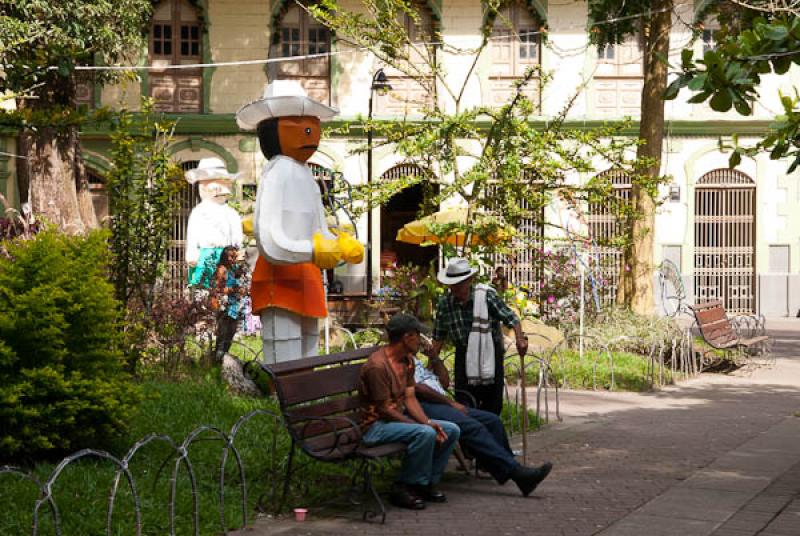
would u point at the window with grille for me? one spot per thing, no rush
(605, 224)
(298, 34)
(515, 47)
(522, 265)
(184, 200)
(99, 195)
(724, 240)
(176, 39)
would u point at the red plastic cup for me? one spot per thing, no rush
(300, 514)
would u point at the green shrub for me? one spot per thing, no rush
(62, 385)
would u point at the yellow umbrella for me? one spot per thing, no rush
(432, 230)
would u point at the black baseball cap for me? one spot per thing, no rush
(402, 323)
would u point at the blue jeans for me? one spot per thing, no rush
(483, 434)
(424, 461)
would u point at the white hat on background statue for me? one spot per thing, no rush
(210, 169)
(282, 98)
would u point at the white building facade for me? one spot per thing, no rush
(735, 235)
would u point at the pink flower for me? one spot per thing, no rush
(551, 299)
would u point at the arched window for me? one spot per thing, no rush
(516, 46)
(184, 200)
(606, 225)
(407, 96)
(99, 194)
(522, 262)
(176, 39)
(298, 34)
(725, 240)
(619, 79)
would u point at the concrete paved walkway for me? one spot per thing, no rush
(713, 456)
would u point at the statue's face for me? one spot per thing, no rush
(299, 136)
(215, 190)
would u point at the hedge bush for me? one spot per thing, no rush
(62, 383)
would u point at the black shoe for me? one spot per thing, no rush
(527, 479)
(403, 497)
(429, 493)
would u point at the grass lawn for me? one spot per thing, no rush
(174, 409)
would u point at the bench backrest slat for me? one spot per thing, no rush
(308, 386)
(713, 322)
(300, 365)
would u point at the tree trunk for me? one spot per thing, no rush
(53, 172)
(638, 273)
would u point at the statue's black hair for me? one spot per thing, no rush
(268, 137)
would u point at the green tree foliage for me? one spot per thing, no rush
(729, 76)
(41, 44)
(491, 158)
(62, 384)
(141, 184)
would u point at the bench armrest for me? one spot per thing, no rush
(748, 326)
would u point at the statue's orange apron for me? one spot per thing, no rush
(294, 287)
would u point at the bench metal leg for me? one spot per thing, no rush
(286, 480)
(370, 487)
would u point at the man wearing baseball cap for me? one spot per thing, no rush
(392, 414)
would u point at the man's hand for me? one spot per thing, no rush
(522, 345)
(441, 437)
(460, 407)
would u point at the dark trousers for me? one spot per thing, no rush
(487, 397)
(226, 329)
(483, 434)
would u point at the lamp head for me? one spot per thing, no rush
(380, 81)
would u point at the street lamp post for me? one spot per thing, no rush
(379, 82)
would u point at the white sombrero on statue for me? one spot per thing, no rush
(210, 169)
(282, 98)
(456, 271)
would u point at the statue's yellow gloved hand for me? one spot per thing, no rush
(352, 250)
(247, 225)
(327, 253)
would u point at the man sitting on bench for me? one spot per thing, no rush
(482, 432)
(392, 414)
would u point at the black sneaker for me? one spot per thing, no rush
(527, 479)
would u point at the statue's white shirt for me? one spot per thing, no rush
(212, 225)
(288, 212)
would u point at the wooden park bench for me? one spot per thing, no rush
(744, 334)
(321, 411)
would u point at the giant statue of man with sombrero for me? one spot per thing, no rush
(293, 239)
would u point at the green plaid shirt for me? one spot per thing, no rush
(454, 320)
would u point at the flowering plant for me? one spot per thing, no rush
(413, 288)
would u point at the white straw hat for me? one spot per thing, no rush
(282, 98)
(208, 169)
(456, 271)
